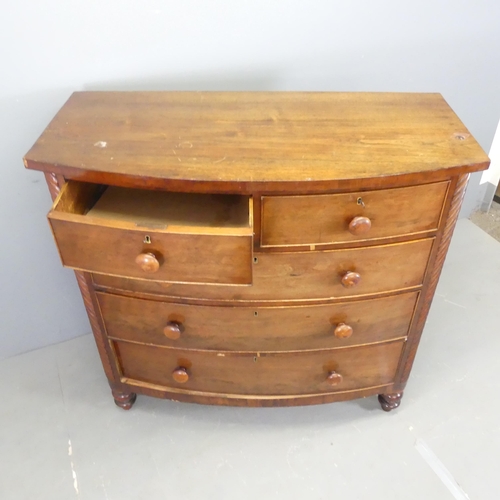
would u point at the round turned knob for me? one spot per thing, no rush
(342, 331)
(180, 375)
(350, 279)
(147, 262)
(334, 378)
(360, 225)
(173, 330)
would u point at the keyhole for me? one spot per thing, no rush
(360, 201)
(147, 239)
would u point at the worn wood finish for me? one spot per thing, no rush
(358, 216)
(308, 275)
(163, 209)
(250, 401)
(124, 400)
(432, 278)
(236, 139)
(200, 254)
(389, 402)
(84, 281)
(265, 374)
(185, 258)
(304, 272)
(258, 328)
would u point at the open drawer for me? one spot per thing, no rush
(154, 235)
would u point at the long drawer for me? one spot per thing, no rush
(309, 275)
(272, 374)
(257, 328)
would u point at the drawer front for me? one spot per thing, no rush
(198, 240)
(182, 258)
(273, 374)
(327, 219)
(309, 275)
(257, 328)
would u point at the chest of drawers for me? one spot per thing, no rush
(256, 249)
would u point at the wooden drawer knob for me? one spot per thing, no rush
(180, 375)
(173, 330)
(334, 378)
(350, 279)
(342, 331)
(147, 262)
(360, 225)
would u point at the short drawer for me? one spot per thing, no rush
(154, 235)
(309, 275)
(257, 328)
(265, 374)
(350, 217)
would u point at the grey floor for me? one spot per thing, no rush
(61, 436)
(489, 221)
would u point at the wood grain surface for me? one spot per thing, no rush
(236, 138)
(272, 374)
(255, 328)
(306, 275)
(356, 197)
(325, 219)
(108, 243)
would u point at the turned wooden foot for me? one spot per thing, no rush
(124, 400)
(390, 401)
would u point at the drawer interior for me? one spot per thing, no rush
(155, 209)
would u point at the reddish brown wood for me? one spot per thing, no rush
(236, 139)
(325, 309)
(53, 184)
(252, 401)
(148, 262)
(261, 374)
(343, 331)
(359, 216)
(334, 378)
(173, 330)
(285, 328)
(350, 279)
(390, 401)
(306, 276)
(85, 284)
(432, 278)
(107, 358)
(180, 375)
(211, 251)
(124, 400)
(360, 225)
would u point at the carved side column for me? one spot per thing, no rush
(123, 398)
(433, 278)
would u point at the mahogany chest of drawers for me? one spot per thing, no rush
(256, 249)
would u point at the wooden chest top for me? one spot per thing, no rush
(239, 141)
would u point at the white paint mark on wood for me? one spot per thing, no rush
(100, 144)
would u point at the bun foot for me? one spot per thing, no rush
(124, 400)
(390, 401)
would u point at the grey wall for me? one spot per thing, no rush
(48, 49)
